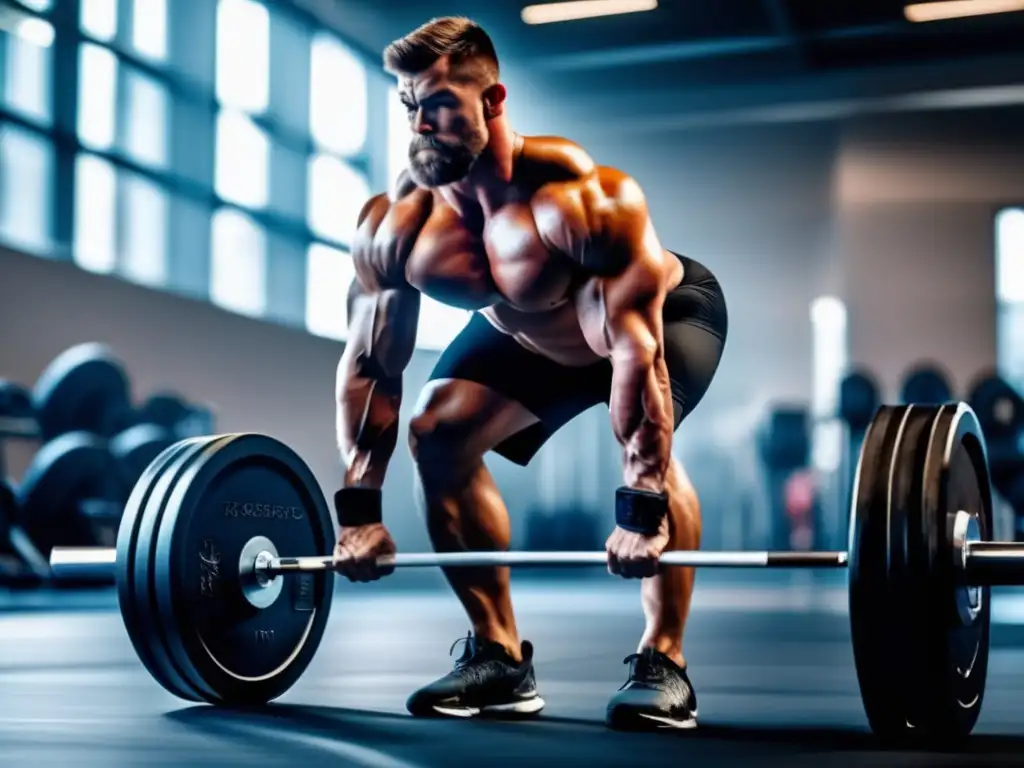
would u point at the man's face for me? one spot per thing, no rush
(448, 125)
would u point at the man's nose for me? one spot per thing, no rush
(421, 125)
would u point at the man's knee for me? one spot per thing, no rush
(441, 436)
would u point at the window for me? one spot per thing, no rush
(95, 238)
(145, 128)
(144, 231)
(336, 195)
(97, 97)
(1010, 256)
(149, 28)
(1010, 295)
(439, 324)
(26, 170)
(27, 68)
(829, 362)
(399, 137)
(240, 172)
(329, 273)
(238, 263)
(243, 55)
(98, 19)
(337, 96)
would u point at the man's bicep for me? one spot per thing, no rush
(382, 326)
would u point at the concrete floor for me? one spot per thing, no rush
(771, 661)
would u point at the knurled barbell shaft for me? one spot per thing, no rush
(97, 563)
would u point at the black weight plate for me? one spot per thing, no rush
(136, 447)
(65, 472)
(916, 469)
(249, 485)
(144, 576)
(952, 631)
(135, 611)
(85, 388)
(868, 553)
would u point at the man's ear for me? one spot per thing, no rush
(494, 100)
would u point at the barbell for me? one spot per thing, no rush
(217, 526)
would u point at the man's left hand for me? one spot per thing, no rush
(634, 555)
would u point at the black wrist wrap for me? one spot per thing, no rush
(358, 506)
(640, 511)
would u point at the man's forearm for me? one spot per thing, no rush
(641, 411)
(367, 428)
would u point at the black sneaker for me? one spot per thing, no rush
(658, 694)
(485, 680)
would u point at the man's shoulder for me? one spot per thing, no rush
(556, 164)
(554, 160)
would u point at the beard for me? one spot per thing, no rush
(444, 163)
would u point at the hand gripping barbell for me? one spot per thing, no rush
(202, 587)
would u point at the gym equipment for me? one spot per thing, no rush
(178, 417)
(21, 564)
(215, 524)
(72, 493)
(784, 442)
(858, 400)
(17, 418)
(926, 384)
(86, 388)
(1000, 410)
(136, 447)
(15, 407)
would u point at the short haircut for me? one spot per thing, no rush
(469, 49)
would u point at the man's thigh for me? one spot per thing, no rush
(523, 397)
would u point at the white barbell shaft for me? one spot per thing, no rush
(97, 563)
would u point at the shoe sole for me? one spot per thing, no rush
(525, 707)
(642, 721)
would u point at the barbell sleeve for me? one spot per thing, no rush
(994, 563)
(85, 563)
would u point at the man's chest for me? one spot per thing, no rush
(501, 259)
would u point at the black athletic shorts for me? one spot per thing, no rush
(695, 326)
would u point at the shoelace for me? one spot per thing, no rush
(467, 652)
(647, 668)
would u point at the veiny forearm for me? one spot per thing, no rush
(367, 427)
(641, 412)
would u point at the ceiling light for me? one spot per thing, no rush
(584, 9)
(958, 9)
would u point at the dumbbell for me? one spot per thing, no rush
(85, 389)
(175, 414)
(21, 563)
(72, 493)
(926, 383)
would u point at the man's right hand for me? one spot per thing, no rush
(357, 551)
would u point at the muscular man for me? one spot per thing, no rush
(576, 303)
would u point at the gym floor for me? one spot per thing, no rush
(770, 658)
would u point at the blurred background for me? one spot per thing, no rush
(179, 181)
